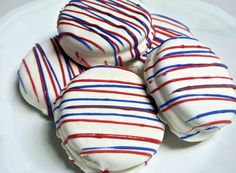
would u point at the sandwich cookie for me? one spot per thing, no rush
(107, 121)
(105, 31)
(192, 88)
(43, 74)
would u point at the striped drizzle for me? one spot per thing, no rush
(121, 24)
(119, 105)
(190, 75)
(44, 72)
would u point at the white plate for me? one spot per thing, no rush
(28, 144)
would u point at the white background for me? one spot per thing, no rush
(227, 5)
(23, 27)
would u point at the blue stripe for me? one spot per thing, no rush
(68, 68)
(168, 18)
(116, 107)
(195, 95)
(168, 29)
(182, 65)
(187, 52)
(44, 81)
(101, 99)
(107, 86)
(78, 39)
(122, 148)
(212, 128)
(50, 66)
(189, 136)
(224, 111)
(106, 114)
(158, 39)
(21, 81)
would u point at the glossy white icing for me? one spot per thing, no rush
(192, 88)
(107, 122)
(105, 32)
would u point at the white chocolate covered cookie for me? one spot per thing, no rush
(44, 73)
(105, 31)
(107, 122)
(191, 87)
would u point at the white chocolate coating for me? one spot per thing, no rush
(44, 73)
(107, 122)
(105, 31)
(191, 87)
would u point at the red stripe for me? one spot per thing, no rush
(188, 78)
(106, 122)
(109, 107)
(86, 63)
(59, 60)
(101, 91)
(189, 67)
(107, 81)
(212, 123)
(184, 47)
(205, 86)
(197, 99)
(89, 41)
(49, 72)
(156, 42)
(31, 79)
(121, 61)
(71, 69)
(111, 136)
(115, 152)
(179, 56)
(160, 20)
(163, 32)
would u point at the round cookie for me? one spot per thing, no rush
(105, 32)
(44, 73)
(191, 87)
(107, 122)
